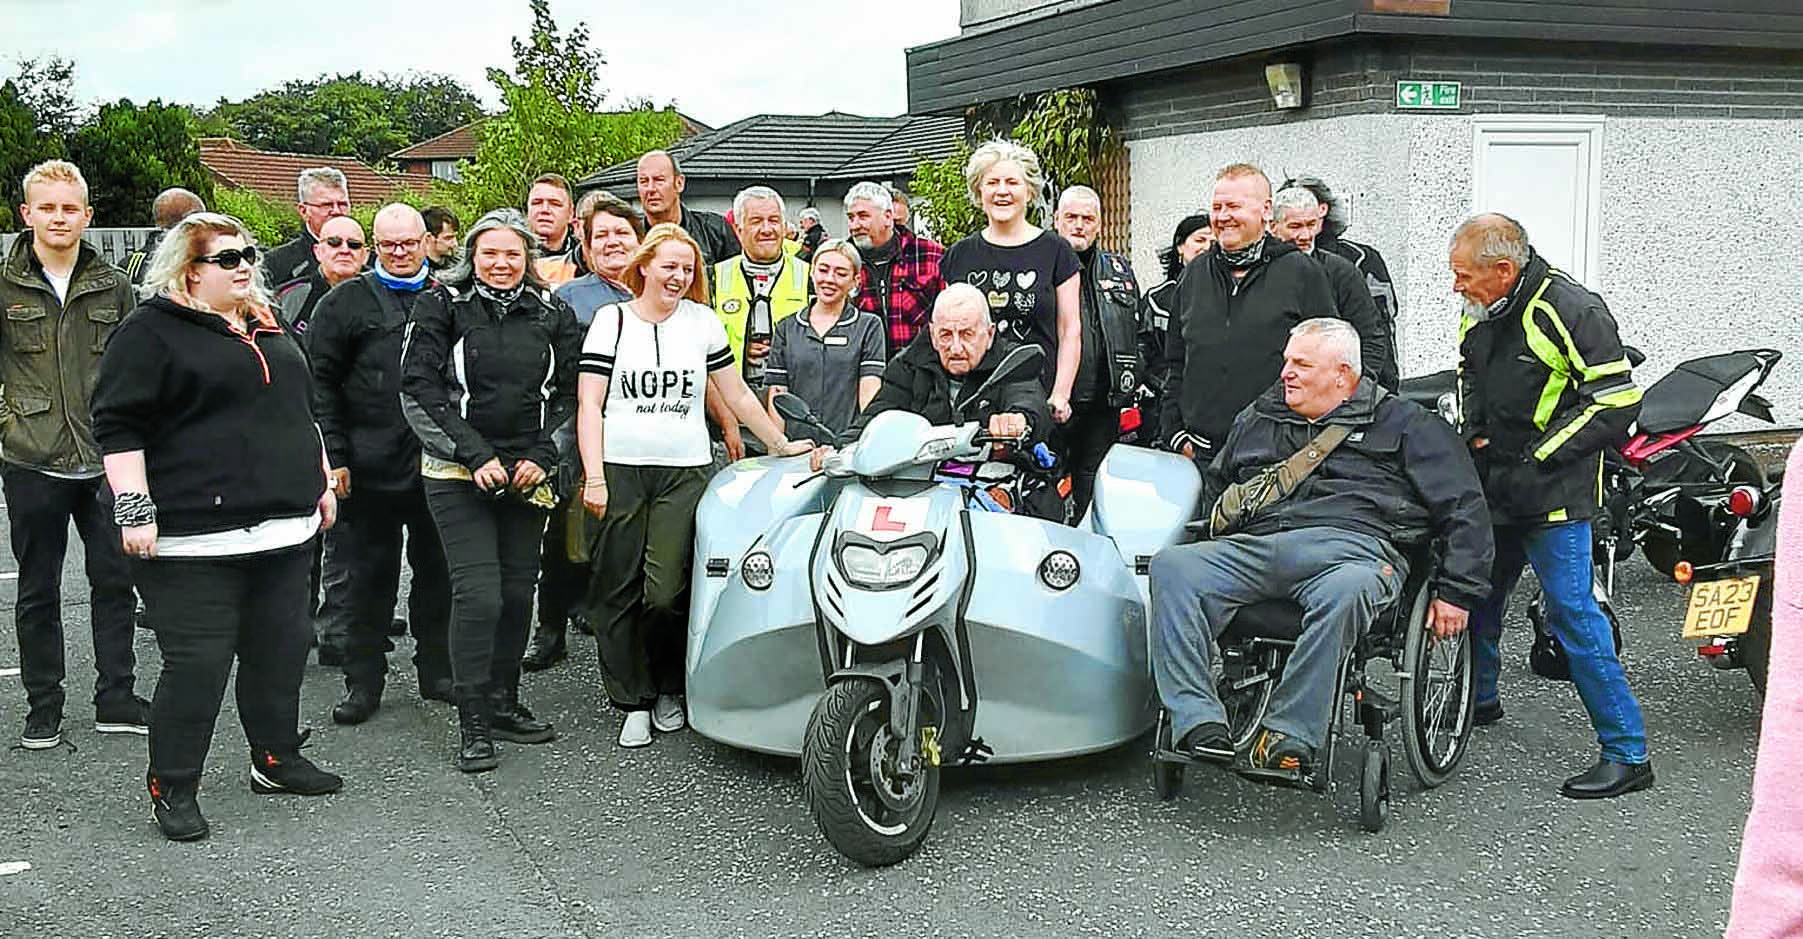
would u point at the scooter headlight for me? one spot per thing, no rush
(759, 571)
(867, 567)
(1059, 570)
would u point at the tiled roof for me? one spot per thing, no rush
(274, 174)
(786, 146)
(460, 143)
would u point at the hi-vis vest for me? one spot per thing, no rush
(732, 299)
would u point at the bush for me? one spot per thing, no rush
(271, 221)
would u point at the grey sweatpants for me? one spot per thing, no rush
(1341, 580)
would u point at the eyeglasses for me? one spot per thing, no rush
(408, 245)
(340, 206)
(230, 258)
(337, 242)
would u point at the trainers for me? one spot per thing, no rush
(175, 809)
(42, 732)
(1277, 757)
(668, 715)
(635, 731)
(130, 716)
(271, 773)
(1208, 742)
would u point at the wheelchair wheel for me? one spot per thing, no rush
(1437, 698)
(1167, 775)
(1374, 787)
(1248, 678)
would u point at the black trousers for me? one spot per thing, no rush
(376, 522)
(492, 547)
(1083, 441)
(39, 509)
(640, 580)
(206, 612)
(334, 566)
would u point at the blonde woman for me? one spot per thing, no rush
(645, 368)
(1028, 274)
(830, 356)
(203, 411)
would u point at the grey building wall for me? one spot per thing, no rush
(975, 13)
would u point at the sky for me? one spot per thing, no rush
(717, 60)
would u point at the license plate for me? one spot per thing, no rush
(1721, 607)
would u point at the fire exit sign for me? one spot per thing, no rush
(1427, 96)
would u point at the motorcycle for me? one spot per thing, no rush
(1684, 501)
(887, 617)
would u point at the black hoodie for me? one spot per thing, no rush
(1226, 339)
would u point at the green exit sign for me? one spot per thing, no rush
(1427, 96)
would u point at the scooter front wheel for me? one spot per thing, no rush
(850, 775)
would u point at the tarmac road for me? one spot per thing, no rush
(690, 838)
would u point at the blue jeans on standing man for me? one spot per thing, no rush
(1560, 554)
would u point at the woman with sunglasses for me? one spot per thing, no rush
(489, 373)
(203, 412)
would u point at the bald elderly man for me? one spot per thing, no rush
(341, 253)
(355, 340)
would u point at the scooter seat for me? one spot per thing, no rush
(1266, 619)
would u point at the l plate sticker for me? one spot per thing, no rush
(889, 519)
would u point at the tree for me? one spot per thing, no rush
(21, 148)
(47, 86)
(550, 124)
(129, 153)
(347, 115)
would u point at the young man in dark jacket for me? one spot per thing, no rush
(1330, 546)
(355, 345)
(1235, 308)
(62, 301)
(1545, 386)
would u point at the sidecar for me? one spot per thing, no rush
(1055, 672)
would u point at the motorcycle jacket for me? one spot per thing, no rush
(1110, 307)
(1545, 380)
(916, 381)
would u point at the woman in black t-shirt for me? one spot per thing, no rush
(1029, 274)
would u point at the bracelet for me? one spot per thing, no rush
(594, 484)
(133, 509)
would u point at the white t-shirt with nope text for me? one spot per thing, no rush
(656, 382)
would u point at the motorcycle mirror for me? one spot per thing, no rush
(1635, 356)
(796, 411)
(1020, 362)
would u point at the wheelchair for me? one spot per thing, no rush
(1434, 697)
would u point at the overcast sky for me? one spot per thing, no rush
(719, 60)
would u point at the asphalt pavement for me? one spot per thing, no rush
(691, 838)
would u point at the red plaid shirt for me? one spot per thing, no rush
(904, 298)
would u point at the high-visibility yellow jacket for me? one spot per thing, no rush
(732, 298)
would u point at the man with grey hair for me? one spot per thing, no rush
(1389, 468)
(1109, 370)
(1545, 387)
(753, 291)
(321, 195)
(812, 232)
(1296, 218)
(355, 345)
(900, 279)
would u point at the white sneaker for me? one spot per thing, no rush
(668, 716)
(636, 730)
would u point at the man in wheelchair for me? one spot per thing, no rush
(1316, 481)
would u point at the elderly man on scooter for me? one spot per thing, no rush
(964, 350)
(1361, 467)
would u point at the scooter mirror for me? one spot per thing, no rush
(796, 411)
(1022, 361)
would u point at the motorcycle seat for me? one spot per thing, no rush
(1267, 619)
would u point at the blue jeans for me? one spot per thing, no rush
(1561, 558)
(1342, 580)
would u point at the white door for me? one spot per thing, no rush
(1545, 171)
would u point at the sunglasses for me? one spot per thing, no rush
(230, 258)
(337, 242)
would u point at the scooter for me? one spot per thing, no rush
(883, 619)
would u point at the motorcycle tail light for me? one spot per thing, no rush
(1743, 501)
(1683, 571)
(1708, 651)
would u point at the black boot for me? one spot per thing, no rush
(512, 720)
(548, 648)
(476, 753)
(359, 704)
(173, 804)
(273, 771)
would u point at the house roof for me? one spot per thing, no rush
(273, 174)
(834, 145)
(460, 143)
(1087, 44)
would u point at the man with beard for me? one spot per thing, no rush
(1545, 386)
(1298, 222)
(1235, 308)
(550, 209)
(441, 237)
(355, 351)
(900, 279)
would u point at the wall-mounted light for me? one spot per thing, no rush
(1285, 81)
